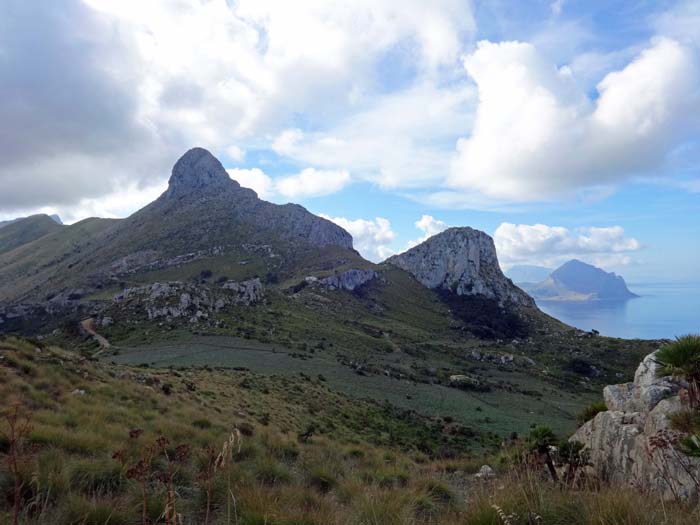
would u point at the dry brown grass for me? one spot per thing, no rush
(266, 476)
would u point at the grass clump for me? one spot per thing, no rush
(591, 411)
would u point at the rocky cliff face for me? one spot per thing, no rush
(633, 442)
(348, 280)
(464, 261)
(201, 190)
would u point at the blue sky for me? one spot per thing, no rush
(563, 128)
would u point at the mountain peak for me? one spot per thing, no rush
(462, 260)
(197, 170)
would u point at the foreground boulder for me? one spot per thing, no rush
(634, 443)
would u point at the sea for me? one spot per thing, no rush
(662, 311)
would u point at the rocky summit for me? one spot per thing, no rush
(198, 170)
(463, 261)
(204, 215)
(200, 189)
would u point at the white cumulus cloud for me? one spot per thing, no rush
(311, 182)
(550, 246)
(255, 179)
(537, 134)
(372, 238)
(430, 226)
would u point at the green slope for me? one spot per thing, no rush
(26, 230)
(38, 268)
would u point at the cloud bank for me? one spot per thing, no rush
(538, 135)
(550, 246)
(372, 238)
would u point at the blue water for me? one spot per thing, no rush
(663, 310)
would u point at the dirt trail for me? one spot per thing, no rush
(89, 326)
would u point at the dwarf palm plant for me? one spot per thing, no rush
(539, 441)
(681, 358)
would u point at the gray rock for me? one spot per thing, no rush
(196, 302)
(633, 442)
(464, 261)
(348, 280)
(485, 472)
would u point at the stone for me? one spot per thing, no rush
(196, 302)
(485, 472)
(464, 261)
(633, 441)
(348, 280)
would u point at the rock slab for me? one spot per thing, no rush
(633, 442)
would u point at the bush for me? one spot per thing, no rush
(392, 478)
(201, 423)
(686, 421)
(75, 509)
(682, 358)
(322, 479)
(590, 412)
(439, 492)
(270, 472)
(95, 476)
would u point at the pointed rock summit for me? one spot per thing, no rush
(198, 170)
(463, 261)
(203, 203)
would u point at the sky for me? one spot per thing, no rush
(564, 129)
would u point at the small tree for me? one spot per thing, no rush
(539, 442)
(681, 358)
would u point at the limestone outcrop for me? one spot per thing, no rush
(174, 300)
(464, 261)
(348, 280)
(634, 443)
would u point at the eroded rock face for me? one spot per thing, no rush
(632, 442)
(348, 280)
(177, 300)
(464, 261)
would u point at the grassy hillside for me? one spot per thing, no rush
(37, 268)
(394, 340)
(26, 230)
(102, 436)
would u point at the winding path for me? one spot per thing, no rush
(89, 326)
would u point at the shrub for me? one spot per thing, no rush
(322, 479)
(95, 476)
(201, 423)
(690, 445)
(75, 509)
(382, 509)
(392, 478)
(539, 441)
(590, 412)
(686, 421)
(682, 358)
(439, 492)
(268, 471)
(282, 449)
